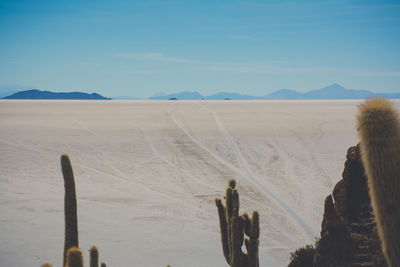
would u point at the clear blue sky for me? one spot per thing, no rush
(138, 48)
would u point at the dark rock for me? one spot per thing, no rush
(336, 247)
(349, 235)
(351, 193)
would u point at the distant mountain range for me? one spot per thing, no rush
(37, 94)
(334, 91)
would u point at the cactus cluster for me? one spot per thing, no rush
(379, 131)
(234, 228)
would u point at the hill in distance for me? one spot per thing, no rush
(334, 91)
(37, 94)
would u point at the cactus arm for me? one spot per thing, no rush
(223, 229)
(74, 257)
(236, 231)
(228, 215)
(94, 256)
(252, 247)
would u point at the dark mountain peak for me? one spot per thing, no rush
(31, 91)
(185, 95)
(284, 94)
(334, 86)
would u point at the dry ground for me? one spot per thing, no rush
(147, 173)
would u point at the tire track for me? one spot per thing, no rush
(218, 158)
(158, 154)
(249, 174)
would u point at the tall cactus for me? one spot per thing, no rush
(72, 256)
(379, 130)
(70, 207)
(233, 227)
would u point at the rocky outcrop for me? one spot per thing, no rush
(349, 235)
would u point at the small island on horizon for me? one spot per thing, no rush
(38, 94)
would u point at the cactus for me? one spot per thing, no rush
(94, 257)
(379, 130)
(74, 257)
(70, 209)
(233, 227)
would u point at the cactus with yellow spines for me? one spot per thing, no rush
(70, 207)
(74, 257)
(103, 264)
(379, 130)
(234, 228)
(47, 265)
(94, 256)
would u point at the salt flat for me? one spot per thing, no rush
(147, 174)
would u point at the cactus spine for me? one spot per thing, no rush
(94, 257)
(74, 257)
(379, 130)
(70, 207)
(233, 227)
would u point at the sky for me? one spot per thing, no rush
(139, 48)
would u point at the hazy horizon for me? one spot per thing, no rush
(127, 48)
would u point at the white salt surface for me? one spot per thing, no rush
(147, 174)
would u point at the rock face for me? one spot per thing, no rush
(336, 247)
(349, 235)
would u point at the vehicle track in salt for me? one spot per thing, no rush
(158, 154)
(174, 165)
(249, 174)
